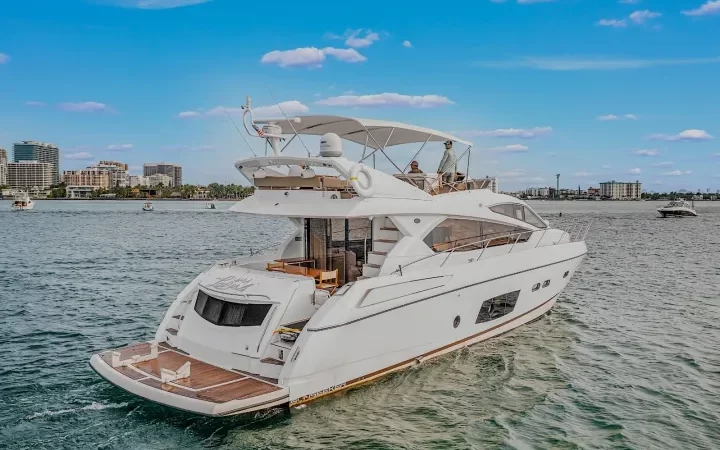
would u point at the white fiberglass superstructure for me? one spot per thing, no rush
(383, 272)
(677, 208)
(22, 202)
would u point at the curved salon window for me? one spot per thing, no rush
(519, 212)
(230, 314)
(464, 235)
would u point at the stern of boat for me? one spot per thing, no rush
(166, 375)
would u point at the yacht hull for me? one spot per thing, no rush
(424, 327)
(677, 212)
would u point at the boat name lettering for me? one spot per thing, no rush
(319, 393)
(238, 284)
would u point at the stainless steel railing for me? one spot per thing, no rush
(577, 231)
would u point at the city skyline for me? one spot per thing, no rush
(621, 91)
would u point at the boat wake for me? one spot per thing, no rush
(94, 406)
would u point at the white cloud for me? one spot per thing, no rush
(290, 108)
(537, 179)
(582, 174)
(89, 107)
(564, 63)
(83, 156)
(717, 155)
(613, 23)
(643, 16)
(120, 147)
(514, 148)
(663, 164)
(614, 117)
(523, 133)
(310, 56)
(154, 4)
(606, 166)
(4, 58)
(348, 55)
(35, 103)
(608, 117)
(634, 171)
(353, 39)
(188, 114)
(687, 135)
(711, 7)
(676, 173)
(646, 152)
(407, 44)
(387, 99)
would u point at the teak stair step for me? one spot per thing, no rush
(389, 229)
(374, 266)
(274, 361)
(375, 252)
(172, 331)
(387, 241)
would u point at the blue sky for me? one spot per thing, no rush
(595, 90)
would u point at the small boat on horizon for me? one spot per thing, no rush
(22, 202)
(148, 207)
(210, 205)
(678, 208)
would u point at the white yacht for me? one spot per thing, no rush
(382, 273)
(148, 207)
(22, 202)
(210, 205)
(677, 208)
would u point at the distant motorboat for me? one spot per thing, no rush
(210, 205)
(677, 208)
(148, 207)
(22, 202)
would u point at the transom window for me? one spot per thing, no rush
(519, 212)
(229, 314)
(464, 235)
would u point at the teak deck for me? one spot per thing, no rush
(206, 382)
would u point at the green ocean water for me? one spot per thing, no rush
(628, 359)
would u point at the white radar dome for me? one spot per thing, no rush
(330, 145)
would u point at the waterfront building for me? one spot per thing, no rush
(157, 179)
(88, 177)
(172, 170)
(620, 190)
(30, 175)
(593, 192)
(3, 167)
(119, 176)
(80, 191)
(136, 180)
(41, 152)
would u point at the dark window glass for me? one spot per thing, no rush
(497, 307)
(230, 314)
(467, 235)
(519, 212)
(566, 274)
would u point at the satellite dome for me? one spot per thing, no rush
(330, 145)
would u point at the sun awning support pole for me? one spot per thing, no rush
(467, 172)
(381, 148)
(364, 148)
(418, 152)
(288, 143)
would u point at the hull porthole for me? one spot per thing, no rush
(456, 322)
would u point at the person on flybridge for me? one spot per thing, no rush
(448, 163)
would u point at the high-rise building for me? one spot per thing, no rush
(172, 170)
(30, 174)
(88, 177)
(3, 167)
(41, 152)
(621, 191)
(118, 171)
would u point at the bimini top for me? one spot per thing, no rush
(374, 133)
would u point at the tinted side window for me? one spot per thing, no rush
(519, 212)
(230, 314)
(497, 307)
(466, 235)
